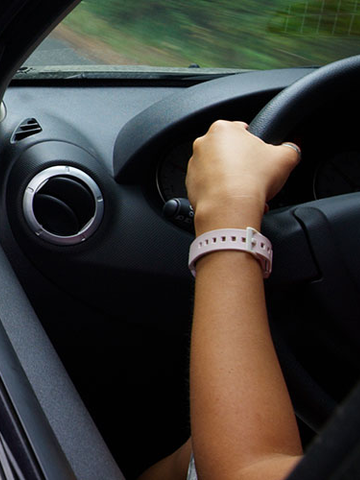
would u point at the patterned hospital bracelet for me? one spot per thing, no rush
(245, 240)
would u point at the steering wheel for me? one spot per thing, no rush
(286, 110)
(316, 249)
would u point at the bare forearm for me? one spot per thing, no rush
(239, 402)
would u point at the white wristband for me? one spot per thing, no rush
(249, 240)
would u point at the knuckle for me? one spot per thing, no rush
(197, 143)
(219, 124)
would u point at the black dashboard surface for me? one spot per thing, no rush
(80, 127)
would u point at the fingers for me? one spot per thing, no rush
(292, 154)
(243, 124)
(294, 147)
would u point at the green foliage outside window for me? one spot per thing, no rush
(223, 33)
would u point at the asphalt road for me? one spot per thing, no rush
(53, 51)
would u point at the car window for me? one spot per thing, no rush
(244, 34)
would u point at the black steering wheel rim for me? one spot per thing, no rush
(313, 222)
(282, 114)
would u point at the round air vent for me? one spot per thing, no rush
(63, 205)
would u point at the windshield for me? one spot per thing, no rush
(231, 34)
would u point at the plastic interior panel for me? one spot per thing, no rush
(78, 120)
(75, 433)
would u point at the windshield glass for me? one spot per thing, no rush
(246, 34)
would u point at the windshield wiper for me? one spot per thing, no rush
(124, 72)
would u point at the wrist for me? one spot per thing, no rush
(236, 213)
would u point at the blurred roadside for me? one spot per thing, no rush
(92, 48)
(252, 34)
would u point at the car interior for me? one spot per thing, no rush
(96, 297)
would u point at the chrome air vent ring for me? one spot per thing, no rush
(63, 205)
